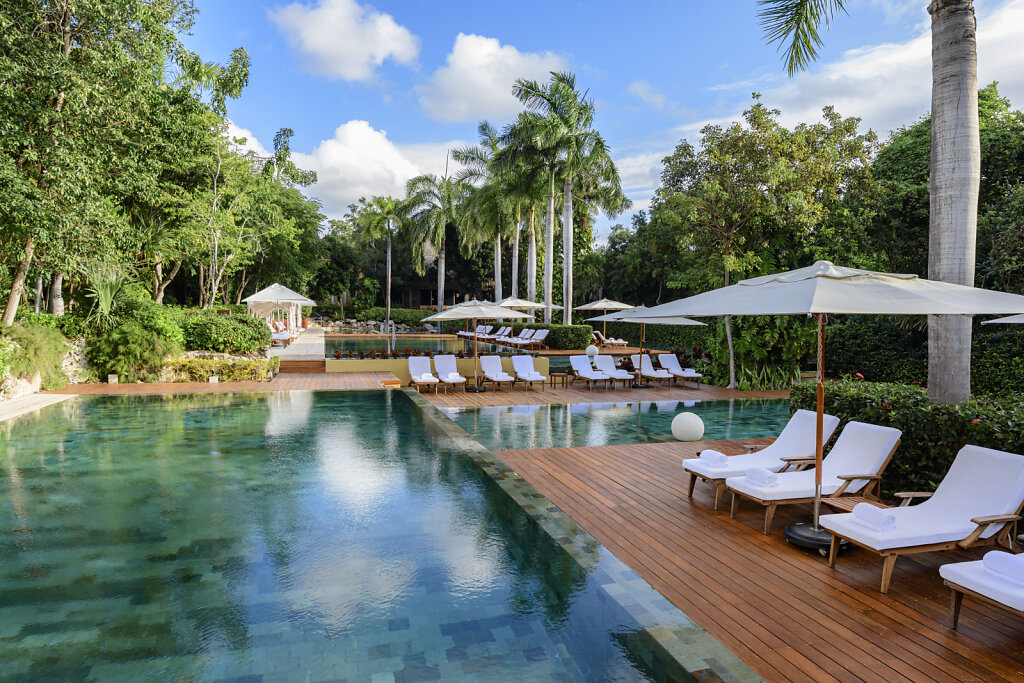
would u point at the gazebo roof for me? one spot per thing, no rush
(278, 294)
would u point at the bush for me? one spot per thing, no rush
(226, 370)
(933, 433)
(573, 337)
(130, 351)
(6, 351)
(225, 334)
(38, 348)
(162, 320)
(406, 316)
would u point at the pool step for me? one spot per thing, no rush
(303, 366)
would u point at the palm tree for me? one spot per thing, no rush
(435, 204)
(955, 160)
(563, 119)
(379, 219)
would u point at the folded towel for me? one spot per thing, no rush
(713, 458)
(874, 517)
(762, 477)
(453, 376)
(1006, 566)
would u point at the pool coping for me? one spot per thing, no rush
(679, 637)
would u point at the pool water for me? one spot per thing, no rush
(437, 345)
(601, 424)
(282, 536)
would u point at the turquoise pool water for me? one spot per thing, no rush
(439, 345)
(600, 424)
(292, 536)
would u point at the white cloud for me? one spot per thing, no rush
(647, 93)
(346, 40)
(476, 81)
(251, 144)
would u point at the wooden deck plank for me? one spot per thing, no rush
(779, 608)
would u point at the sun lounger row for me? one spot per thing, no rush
(446, 372)
(528, 338)
(604, 371)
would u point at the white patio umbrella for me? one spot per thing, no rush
(604, 305)
(824, 289)
(1013, 319)
(515, 302)
(640, 311)
(476, 310)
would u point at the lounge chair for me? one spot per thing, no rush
(282, 338)
(581, 369)
(977, 503)
(419, 373)
(997, 579)
(537, 340)
(795, 444)
(854, 465)
(493, 372)
(606, 365)
(670, 362)
(465, 333)
(608, 341)
(524, 336)
(646, 368)
(448, 371)
(525, 372)
(500, 334)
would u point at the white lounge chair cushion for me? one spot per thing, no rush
(606, 365)
(972, 575)
(791, 485)
(453, 378)
(419, 370)
(491, 365)
(980, 482)
(647, 369)
(735, 465)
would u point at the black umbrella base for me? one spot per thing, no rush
(641, 386)
(476, 390)
(805, 535)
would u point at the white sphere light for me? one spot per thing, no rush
(592, 351)
(687, 427)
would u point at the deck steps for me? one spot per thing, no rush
(304, 366)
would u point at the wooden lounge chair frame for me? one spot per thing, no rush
(956, 599)
(1003, 537)
(771, 505)
(797, 464)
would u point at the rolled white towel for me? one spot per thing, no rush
(453, 376)
(713, 458)
(762, 477)
(1006, 566)
(874, 517)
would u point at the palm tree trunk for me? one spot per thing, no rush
(57, 295)
(497, 269)
(440, 276)
(515, 261)
(18, 284)
(567, 254)
(549, 249)
(387, 286)
(955, 179)
(728, 341)
(531, 262)
(38, 304)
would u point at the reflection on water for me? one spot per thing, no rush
(433, 345)
(293, 536)
(600, 424)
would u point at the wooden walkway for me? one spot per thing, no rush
(579, 393)
(336, 381)
(779, 608)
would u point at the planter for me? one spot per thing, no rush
(305, 323)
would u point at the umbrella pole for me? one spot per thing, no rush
(639, 373)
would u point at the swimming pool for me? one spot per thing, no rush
(289, 536)
(600, 424)
(433, 345)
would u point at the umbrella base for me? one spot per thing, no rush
(641, 386)
(476, 390)
(805, 535)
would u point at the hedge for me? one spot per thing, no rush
(70, 325)
(933, 433)
(225, 334)
(572, 337)
(226, 370)
(406, 316)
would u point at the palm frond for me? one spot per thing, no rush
(794, 24)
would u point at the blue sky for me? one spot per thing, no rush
(378, 92)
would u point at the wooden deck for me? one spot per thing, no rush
(579, 393)
(283, 382)
(779, 608)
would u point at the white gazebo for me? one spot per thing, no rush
(267, 302)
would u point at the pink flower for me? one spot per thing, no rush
(860, 375)
(975, 420)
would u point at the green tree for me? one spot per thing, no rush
(379, 219)
(435, 205)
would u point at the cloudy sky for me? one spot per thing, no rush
(378, 93)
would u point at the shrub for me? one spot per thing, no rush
(38, 348)
(933, 433)
(573, 337)
(225, 334)
(406, 316)
(162, 320)
(6, 350)
(130, 351)
(227, 370)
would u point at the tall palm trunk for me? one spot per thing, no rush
(567, 254)
(497, 269)
(531, 262)
(57, 295)
(387, 286)
(18, 284)
(39, 294)
(549, 249)
(955, 179)
(440, 272)
(515, 261)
